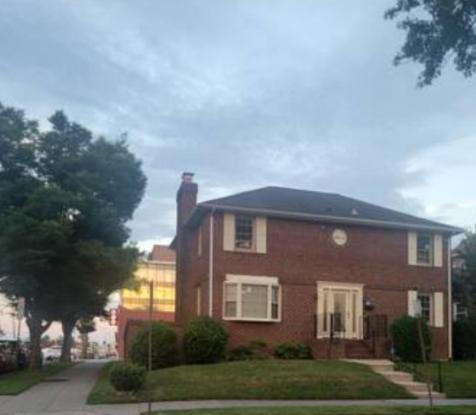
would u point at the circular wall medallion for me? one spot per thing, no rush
(339, 237)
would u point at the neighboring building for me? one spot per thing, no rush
(134, 303)
(279, 264)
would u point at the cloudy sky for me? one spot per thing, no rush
(247, 94)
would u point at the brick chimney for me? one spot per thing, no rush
(186, 198)
(186, 201)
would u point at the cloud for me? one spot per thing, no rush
(246, 94)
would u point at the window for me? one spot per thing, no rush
(251, 298)
(424, 301)
(231, 300)
(198, 301)
(244, 232)
(424, 248)
(199, 241)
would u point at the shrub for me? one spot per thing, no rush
(204, 341)
(464, 338)
(164, 346)
(293, 351)
(255, 350)
(126, 377)
(406, 340)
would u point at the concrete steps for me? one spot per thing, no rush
(386, 369)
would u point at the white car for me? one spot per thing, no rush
(51, 353)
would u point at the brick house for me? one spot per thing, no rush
(278, 264)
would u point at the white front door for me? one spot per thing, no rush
(339, 310)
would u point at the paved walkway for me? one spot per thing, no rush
(67, 396)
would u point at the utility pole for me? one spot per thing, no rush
(151, 308)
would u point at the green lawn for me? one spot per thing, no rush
(459, 378)
(334, 410)
(260, 379)
(13, 383)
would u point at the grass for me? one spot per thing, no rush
(13, 383)
(459, 377)
(260, 379)
(332, 410)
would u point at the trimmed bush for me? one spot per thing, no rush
(126, 377)
(406, 343)
(204, 341)
(255, 350)
(164, 346)
(293, 351)
(464, 338)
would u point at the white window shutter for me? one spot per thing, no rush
(412, 248)
(438, 250)
(261, 234)
(438, 310)
(412, 302)
(229, 232)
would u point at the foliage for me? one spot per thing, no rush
(435, 31)
(164, 346)
(125, 377)
(464, 339)
(254, 350)
(293, 351)
(464, 276)
(65, 198)
(204, 341)
(406, 340)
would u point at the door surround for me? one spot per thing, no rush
(327, 292)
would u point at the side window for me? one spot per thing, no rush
(426, 307)
(199, 241)
(424, 248)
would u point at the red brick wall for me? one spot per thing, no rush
(302, 253)
(124, 333)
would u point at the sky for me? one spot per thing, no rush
(246, 94)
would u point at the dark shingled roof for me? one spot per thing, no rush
(305, 204)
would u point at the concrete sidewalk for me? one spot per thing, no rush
(67, 396)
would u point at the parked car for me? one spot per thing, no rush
(51, 354)
(12, 355)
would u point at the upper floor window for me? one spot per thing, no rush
(244, 225)
(424, 248)
(244, 233)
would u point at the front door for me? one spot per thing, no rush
(339, 310)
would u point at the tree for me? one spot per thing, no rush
(85, 326)
(464, 278)
(437, 31)
(65, 199)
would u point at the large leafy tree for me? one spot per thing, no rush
(65, 199)
(464, 278)
(437, 31)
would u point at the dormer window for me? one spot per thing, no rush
(244, 225)
(424, 248)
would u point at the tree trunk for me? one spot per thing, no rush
(84, 345)
(36, 330)
(68, 327)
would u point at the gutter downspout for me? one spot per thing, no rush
(210, 266)
(450, 303)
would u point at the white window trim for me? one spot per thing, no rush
(239, 280)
